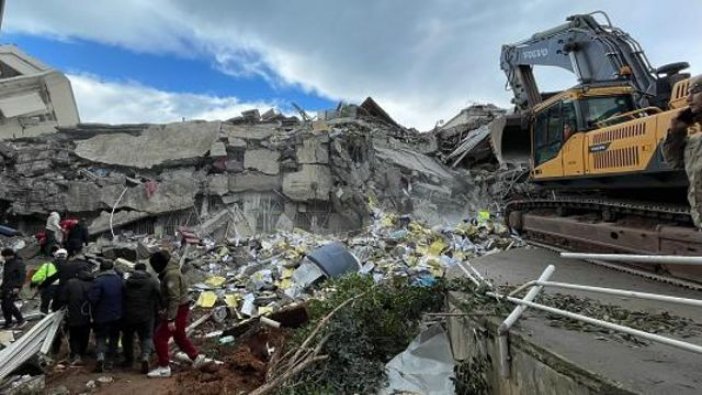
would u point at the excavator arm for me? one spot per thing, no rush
(594, 52)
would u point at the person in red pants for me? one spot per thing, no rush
(175, 298)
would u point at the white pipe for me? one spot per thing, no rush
(654, 259)
(503, 345)
(112, 214)
(623, 292)
(635, 332)
(467, 273)
(517, 312)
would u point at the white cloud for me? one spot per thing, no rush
(422, 60)
(127, 102)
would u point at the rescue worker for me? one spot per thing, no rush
(105, 296)
(40, 280)
(681, 150)
(66, 269)
(77, 238)
(78, 309)
(54, 233)
(13, 276)
(174, 318)
(141, 303)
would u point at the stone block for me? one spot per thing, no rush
(312, 151)
(312, 182)
(263, 160)
(253, 181)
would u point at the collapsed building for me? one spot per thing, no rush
(254, 174)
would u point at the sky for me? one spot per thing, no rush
(421, 60)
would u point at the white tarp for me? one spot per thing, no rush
(425, 367)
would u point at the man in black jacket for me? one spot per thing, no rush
(75, 294)
(77, 238)
(141, 303)
(13, 276)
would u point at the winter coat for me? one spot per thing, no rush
(105, 296)
(44, 272)
(53, 226)
(142, 298)
(13, 274)
(78, 236)
(174, 289)
(75, 293)
(65, 271)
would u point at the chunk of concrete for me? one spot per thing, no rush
(263, 160)
(217, 184)
(218, 150)
(102, 223)
(312, 182)
(236, 142)
(170, 195)
(80, 197)
(248, 132)
(312, 151)
(157, 145)
(252, 181)
(413, 161)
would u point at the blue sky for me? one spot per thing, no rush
(422, 61)
(167, 72)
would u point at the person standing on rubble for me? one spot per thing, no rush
(13, 276)
(173, 321)
(78, 308)
(683, 151)
(142, 298)
(105, 296)
(54, 233)
(77, 238)
(40, 280)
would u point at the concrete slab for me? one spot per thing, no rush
(184, 140)
(652, 369)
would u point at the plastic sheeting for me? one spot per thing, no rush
(425, 367)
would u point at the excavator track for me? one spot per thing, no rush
(584, 224)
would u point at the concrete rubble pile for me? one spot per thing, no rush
(266, 170)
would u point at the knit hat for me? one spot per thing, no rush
(106, 265)
(159, 260)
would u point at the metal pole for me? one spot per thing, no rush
(112, 213)
(623, 292)
(503, 329)
(635, 332)
(654, 259)
(467, 273)
(517, 312)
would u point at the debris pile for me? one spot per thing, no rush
(267, 170)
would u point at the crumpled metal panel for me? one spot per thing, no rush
(39, 337)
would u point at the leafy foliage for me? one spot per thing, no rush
(471, 376)
(364, 335)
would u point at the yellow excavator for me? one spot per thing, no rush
(596, 148)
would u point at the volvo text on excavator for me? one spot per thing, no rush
(595, 150)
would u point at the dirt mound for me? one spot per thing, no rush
(243, 370)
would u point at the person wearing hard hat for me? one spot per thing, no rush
(44, 280)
